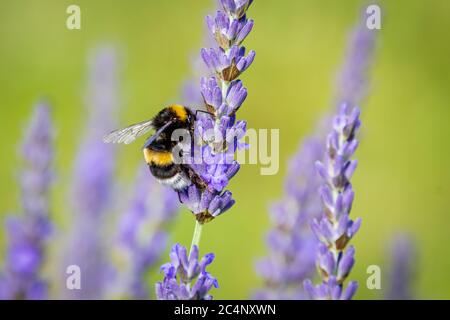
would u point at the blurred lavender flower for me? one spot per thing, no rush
(190, 92)
(152, 206)
(180, 274)
(352, 83)
(291, 246)
(92, 183)
(217, 134)
(27, 235)
(403, 258)
(335, 229)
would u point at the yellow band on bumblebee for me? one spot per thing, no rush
(180, 111)
(159, 158)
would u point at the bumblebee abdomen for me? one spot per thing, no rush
(163, 172)
(170, 176)
(178, 182)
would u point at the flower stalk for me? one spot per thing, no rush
(196, 236)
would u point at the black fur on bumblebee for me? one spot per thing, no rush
(158, 148)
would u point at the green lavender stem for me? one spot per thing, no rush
(197, 236)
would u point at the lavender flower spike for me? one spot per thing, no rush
(216, 140)
(335, 229)
(92, 183)
(217, 134)
(141, 233)
(27, 235)
(186, 278)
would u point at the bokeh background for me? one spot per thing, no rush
(402, 181)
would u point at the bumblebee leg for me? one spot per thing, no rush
(179, 197)
(194, 177)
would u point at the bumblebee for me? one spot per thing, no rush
(158, 149)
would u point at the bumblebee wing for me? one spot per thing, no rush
(128, 134)
(156, 135)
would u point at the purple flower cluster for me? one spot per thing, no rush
(335, 229)
(291, 247)
(217, 133)
(141, 233)
(28, 234)
(186, 278)
(93, 177)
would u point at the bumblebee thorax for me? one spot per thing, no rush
(180, 112)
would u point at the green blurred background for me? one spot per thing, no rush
(402, 180)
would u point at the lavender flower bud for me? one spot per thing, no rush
(228, 65)
(186, 278)
(236, 8)
(236, 95)
(228, 33)
(27, 235)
